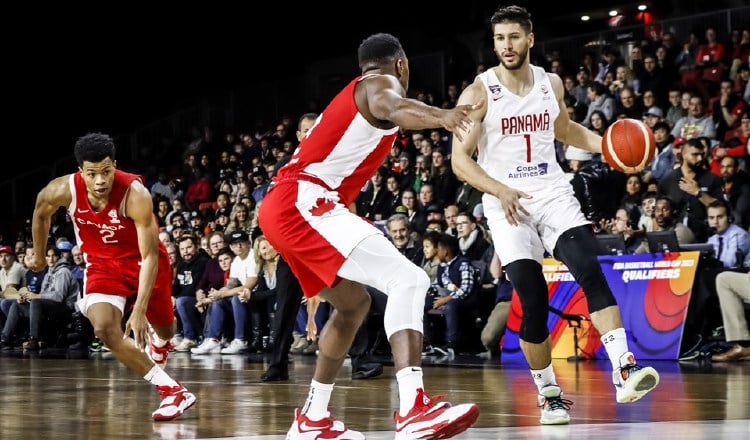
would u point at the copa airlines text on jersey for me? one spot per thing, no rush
(100, 225)
(520, 124)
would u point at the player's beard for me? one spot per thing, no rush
(516, 65)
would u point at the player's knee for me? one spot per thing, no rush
(528, 280)
(577, 248)
(406, 298)
(108, 334)
(576, 245)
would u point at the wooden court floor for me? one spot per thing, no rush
(52, 395)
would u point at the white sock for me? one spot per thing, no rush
(409, 381)
(616, 344)
(158, 377)
(316, 405)
(155, 339)
(544, 377)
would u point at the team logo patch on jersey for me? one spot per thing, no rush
(113, 216)
(530, 170)
(322, 206)
(496, 92)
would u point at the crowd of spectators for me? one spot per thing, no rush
(695, 95)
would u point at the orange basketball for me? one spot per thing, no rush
(628, 145)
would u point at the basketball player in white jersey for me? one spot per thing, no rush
(530, 205)
(307, 216)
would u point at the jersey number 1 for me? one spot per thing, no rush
(528, 147)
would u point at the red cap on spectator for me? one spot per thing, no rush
(679, 141)
(7, 250)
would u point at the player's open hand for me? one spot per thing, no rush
(138, 325)
(457, 119)
(511, 201)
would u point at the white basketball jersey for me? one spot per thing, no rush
(516, 145)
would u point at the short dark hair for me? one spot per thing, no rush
(432, 237)
(94, 147)
(451, 243)
(378, 49)
(512, 14)
(718, 203)
(306, 116)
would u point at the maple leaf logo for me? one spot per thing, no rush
(321, 207)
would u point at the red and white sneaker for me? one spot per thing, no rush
(174, 402)
(158, 354)
(327, 428)
(430, 419)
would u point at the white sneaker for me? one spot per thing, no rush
(175, 401)
(235, 347)
(633, 381)
(554, 408)
(185, 345)
(327, 428)
(209, 345)
(430, 418)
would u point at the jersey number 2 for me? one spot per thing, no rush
(108, 236)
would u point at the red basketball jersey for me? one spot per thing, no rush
(109, 240)
(342, 150)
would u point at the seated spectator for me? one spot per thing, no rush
(221, 220)
(231, 299)
(262, 299)
(429, 249)
(599, 99)
(12, 275)
(675, 110)
(621, 224)
(456, 288)
(56, 300)
(646, 219)
(215, 306)
(664, 219)
(666, 149)
(727, 110)
(697, 123)
(472, 243)
(399, 231)
(733, 289)
(736, 191)
(199, 190)
(260, 182)
(189, 272)
(691, 187)
(731, 243)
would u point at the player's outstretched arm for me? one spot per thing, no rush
(386, 102)
(48, 201)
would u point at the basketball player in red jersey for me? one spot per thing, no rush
(530, 206)
(127, 266)
(307, 216)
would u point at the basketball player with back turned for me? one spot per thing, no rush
(127, 266)
(334, 253)
(530, 206)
